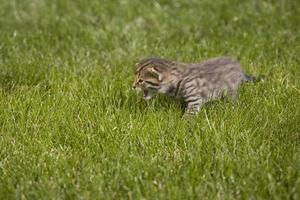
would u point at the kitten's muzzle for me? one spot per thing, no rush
(135, 86)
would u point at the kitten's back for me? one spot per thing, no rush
(214, 63)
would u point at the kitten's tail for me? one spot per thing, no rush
(250, 78)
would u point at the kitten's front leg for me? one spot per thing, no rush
(192, 108)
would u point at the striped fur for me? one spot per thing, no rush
(195, 83)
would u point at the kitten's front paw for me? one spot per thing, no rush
(188, 115)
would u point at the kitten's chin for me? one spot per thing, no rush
(147, 95)
(164, 89)
(147, 98)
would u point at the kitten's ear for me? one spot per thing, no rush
(158, 74)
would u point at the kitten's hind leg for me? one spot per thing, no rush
(232, 94)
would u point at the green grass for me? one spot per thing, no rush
(72, 128)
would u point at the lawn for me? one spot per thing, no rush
(71, 127)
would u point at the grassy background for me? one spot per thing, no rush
(71, 127)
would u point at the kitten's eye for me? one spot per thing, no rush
(140, 81)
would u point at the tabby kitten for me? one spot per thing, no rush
(195, 83)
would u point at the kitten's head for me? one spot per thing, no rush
(152, 76)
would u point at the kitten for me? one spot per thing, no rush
(195, 83)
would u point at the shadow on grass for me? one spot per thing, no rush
(164, 103)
